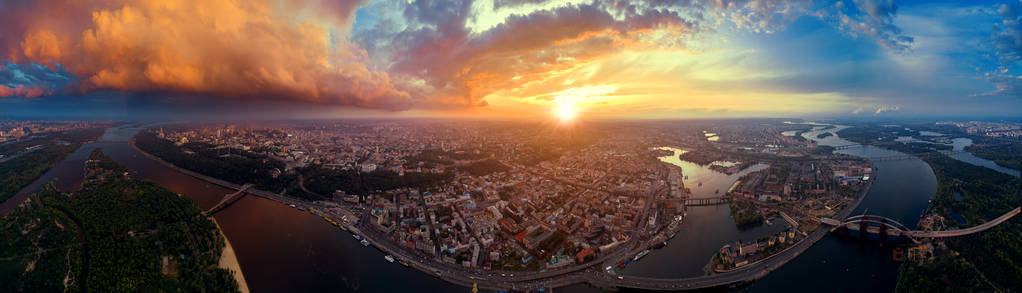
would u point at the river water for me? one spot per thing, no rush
(901, 192)
(704, 230)
(960, 144)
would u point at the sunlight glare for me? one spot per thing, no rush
(565, 112)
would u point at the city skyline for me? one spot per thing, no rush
(509, 59)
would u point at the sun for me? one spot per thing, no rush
(566, 112)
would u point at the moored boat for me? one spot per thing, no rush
(640, 255)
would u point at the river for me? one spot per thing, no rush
(959, 144)
(704, 230)
(901, 191)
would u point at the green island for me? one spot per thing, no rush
(22, 170)
(1007, 154)
(746, 214)
(29, 159)
(81, 135)
(116, 234)
(884, 137)
(874, 133)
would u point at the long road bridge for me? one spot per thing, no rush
(759, 269)
(899, 156)
(888, 227)
(228, 200)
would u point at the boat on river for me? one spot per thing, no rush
(640, 255)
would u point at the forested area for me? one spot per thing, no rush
(18, 172)
(97, 159)
(867, 134)
(943, 274)
(22, 170)
(428, 159)
(242, 168)
(995, 254)
(432, 158)
(884, 137)
(72, 136)
(484, 167)
(1007, 154)
(325, 181)
(745, 214)
(116, 236)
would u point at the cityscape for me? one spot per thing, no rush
(509, 146)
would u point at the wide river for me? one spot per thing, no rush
(281, 249)
(901, 191)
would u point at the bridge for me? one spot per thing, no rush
(761, 268)
(889, 227)
(228, 200)
(899, 156)
(707, 201)
(966, 231)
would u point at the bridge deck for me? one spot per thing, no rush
(707, 201)
(229, 199)
(897, 228)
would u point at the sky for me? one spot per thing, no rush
(655, 59)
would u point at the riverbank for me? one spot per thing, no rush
(809, 237)
(252, 191)
(229, 260)
(976, 194)
(23, 171)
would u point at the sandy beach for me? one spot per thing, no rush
(229, 261)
